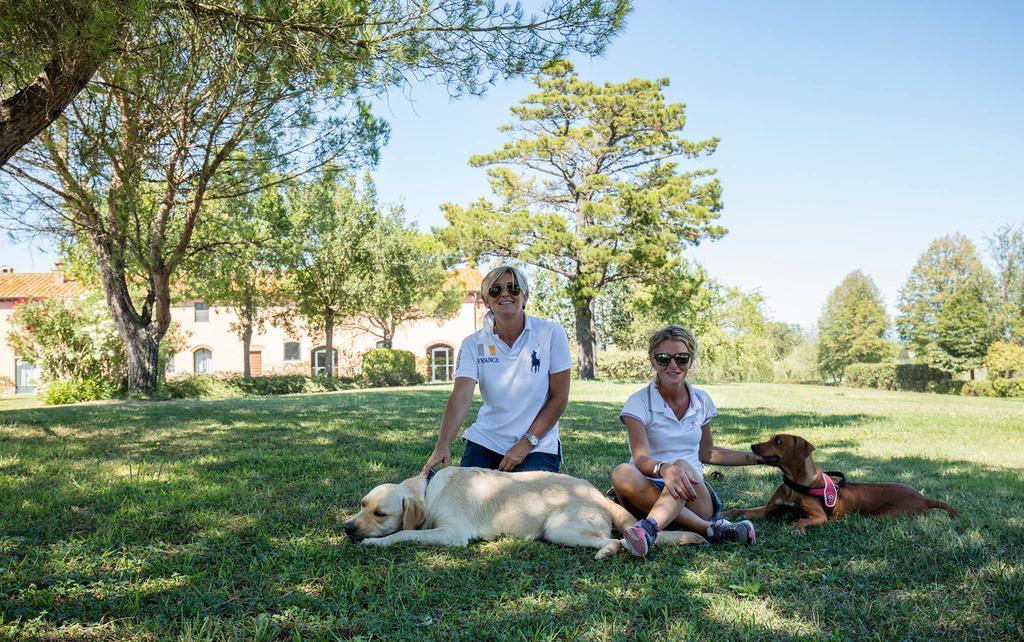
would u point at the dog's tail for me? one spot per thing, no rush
(934, 503)
(621, 518)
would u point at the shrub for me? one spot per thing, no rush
(1005, 360)
(235, 385)
(628, 366)
(7, 386)
(58, 393)
(1000, 387)
(881, 376)
(921, 377)
(71, 341)
(386, 367)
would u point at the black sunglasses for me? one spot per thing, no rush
(681, 358)
(513, 290)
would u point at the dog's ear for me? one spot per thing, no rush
(412, 514)
(804, 448)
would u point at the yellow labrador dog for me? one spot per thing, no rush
(458, 505)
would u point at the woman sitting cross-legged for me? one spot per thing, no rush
(669, 424)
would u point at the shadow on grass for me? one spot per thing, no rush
(152, 514)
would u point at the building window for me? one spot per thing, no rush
(202, 311)
(442, 363)
(203, 361)
(24, 377)
(320, 361)
(169, 369)
(292, 351)
(380, 343)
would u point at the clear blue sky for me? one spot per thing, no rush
(852, 134)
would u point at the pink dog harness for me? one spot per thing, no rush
(829, 492)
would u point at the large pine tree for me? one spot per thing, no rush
(588, 189)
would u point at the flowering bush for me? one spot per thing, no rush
(69, 340)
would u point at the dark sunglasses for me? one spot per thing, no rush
(681, 358)
(512, 288)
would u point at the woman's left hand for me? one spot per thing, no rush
(515, 456)
(679, 483)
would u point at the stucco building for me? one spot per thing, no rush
(213, 347)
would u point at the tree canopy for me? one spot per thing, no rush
(588, 190)
(53, 48)
(946, 306)
(852, 327)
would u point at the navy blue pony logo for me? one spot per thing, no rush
(534, 362)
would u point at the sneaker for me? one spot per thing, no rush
(639, 538)
(612, 495)
(722, 530)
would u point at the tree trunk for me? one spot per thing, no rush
(143, 353)
(33, 108)
(389, 337)
(140, 332)
(246, 344)
(329, 343)
(586, 339)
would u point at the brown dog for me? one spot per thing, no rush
(808, 491)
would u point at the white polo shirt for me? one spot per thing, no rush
(669, 438)
(513, 381)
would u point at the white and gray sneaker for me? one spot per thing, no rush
(722, 530)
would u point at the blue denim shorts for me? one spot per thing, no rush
(477, 455)
(716, 503)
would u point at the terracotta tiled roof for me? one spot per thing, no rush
(14, 285)
(468, 277)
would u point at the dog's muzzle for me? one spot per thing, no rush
(352, 531)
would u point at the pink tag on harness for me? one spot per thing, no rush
(829, 494)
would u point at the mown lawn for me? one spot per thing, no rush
(221, 520)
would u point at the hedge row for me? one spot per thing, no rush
(917, 377)
(235, 385)
(633, 366)
(994, 388)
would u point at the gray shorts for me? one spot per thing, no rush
(716, 503)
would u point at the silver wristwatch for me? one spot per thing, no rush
(533, 439)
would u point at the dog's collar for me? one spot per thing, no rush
(828, 491)
(430, 475)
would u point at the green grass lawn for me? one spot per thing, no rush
(222, 520)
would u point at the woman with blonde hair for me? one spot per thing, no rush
(669, 426)
(523, 365)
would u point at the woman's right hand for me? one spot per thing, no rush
(679, 482)
(441, 455)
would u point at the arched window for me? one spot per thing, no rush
(319, 361)
(203, 360)
(442, 362)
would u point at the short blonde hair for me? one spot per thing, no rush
(673, 333)
(497, 273)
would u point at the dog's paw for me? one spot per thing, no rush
(799, 532)
(373, 541)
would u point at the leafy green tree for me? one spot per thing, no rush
(243, 266)
(329, 258)
(736, 337)
(198, 90)
(406, 279)
(54, 48)
(1007, 250)
(852, 327)
(947, 306)
(597, 198)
